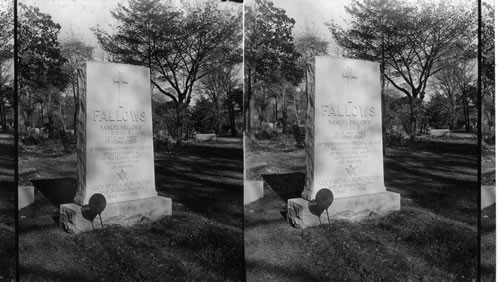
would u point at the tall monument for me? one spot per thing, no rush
(344, 154)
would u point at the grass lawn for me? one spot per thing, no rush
(7, 209)
(488, 217)
(432, 238)
(488, 234)
(202, 240)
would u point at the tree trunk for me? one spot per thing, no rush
(41, 113)
(231, 118)
(3, 116)
(62, 117)
(76, 97)
(275, 109)
(296, 109)
(249, 108)
(218, 118)
(413, 119)
(246, 103)
(466, 111)
(178, 123)
(251, 119)
(283, 111)
(50, 116)
(28, 119)
(485, 126)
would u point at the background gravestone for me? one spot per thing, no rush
(343, 142)
(115, 147)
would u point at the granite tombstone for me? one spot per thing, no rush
(343, 142)
(115, 147)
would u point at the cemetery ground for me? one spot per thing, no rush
(7, 208)
(202, 240)
(488, 216)
(433, 237)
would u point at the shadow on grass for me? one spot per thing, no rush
(189, 246)
(293, 273)
(286, 185)
(57, 190)
(446, 145)
(181, 247)
(439, 240)
(7, 163)
(262, 222)
(8, 256)
(212, 150)
(433, 237)
(488, 243)
(488, 178)
(8, 190)
(488, 272)
(46, 274)
(208, 181)
(445, 184)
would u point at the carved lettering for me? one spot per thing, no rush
(118, 115)
(347, 110)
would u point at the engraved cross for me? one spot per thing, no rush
(349, 76)
(119, 81)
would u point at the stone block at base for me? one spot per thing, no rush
(301, 212)
(252, 191)
(26, 196)
(124, 213)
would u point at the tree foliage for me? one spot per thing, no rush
(6, 62)
(440, 112)
(219, 87)
(39, 54)
(6, 33)
(270, 54)
(204, 116)
(40, 65)
(454, 80)
(269, 49)
(179, 44)
(413, 42)
(488, 46)
(310, 44)
(488, 68)
(76, 52)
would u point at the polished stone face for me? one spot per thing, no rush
(118, 154)
(344, 128)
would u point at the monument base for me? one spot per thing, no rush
(124, 213)
(301, 212)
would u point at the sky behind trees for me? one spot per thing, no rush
(314, 13)
(78, 16)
